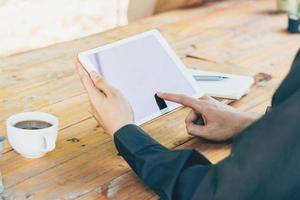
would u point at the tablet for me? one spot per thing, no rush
(140, 66)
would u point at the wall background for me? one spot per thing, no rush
(30, 24)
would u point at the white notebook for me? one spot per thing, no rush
(232, 88)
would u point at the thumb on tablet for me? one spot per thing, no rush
(101, 83)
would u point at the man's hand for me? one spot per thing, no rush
(222, 122)
(109, 107)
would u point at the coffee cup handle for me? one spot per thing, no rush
(49, 142)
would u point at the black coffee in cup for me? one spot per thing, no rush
(32, 125)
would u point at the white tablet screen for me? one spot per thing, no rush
(140, 68)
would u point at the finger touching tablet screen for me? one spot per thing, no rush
(141, 66)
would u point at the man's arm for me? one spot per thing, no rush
(263, 164)
(157, 166)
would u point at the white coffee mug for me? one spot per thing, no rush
(32, 143)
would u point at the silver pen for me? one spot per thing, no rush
(209, 78)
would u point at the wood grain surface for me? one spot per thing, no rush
(243, 37)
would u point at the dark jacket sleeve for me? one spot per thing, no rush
(264, 162)
(157, 166)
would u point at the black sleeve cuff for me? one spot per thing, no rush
(132, 139)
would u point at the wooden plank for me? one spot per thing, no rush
(112, 190)
(90, 169)
(120, 187)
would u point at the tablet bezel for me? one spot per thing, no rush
(83, 58)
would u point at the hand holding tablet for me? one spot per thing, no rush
(139, 67)
(109, 106)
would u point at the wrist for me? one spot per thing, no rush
(245, 120)
(118, 127)
(250, 117)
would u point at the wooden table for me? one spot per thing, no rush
(243, 37)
